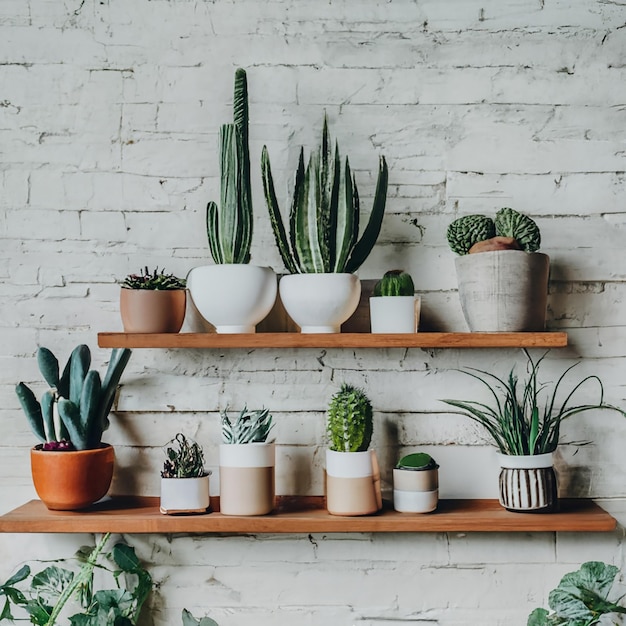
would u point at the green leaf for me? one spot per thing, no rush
(19, 576)
(50, 583)
(125, 557)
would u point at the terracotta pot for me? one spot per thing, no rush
(152, 311)
(528, 483)
(247, 478)
(71, 480)
(185, 495)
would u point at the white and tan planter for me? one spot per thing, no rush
(247, 478)
(320, 303)
(394, 314)
(234, 298)
(503, 290)
(352, 483)
(528, 483)
(415, 490)
(185, 495)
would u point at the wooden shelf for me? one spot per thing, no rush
(304, 515)
(338, 340)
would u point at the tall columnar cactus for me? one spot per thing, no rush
(77, 405)
(324, 215)
(350, 420)
(229, 226)
(394, 283)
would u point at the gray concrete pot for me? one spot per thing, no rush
(503, 290)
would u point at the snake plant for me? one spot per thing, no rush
(324, 215)
(229, 226)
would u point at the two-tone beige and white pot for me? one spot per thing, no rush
(247, 478)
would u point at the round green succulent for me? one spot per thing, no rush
(350, 423)
(465, 231)
(394, 283)
(510, 223)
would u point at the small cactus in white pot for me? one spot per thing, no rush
(352, 473)
(394, 307)
(247, 464)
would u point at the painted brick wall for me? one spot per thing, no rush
(109, 113)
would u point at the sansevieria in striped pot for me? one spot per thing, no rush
(524, 420)
(323, 246)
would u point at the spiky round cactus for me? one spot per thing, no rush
(465, 231)
(510, 223)
(394, 283)
(350, 420)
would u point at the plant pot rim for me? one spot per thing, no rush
(525, 461)
(206, 474)
(39, 449)
(459, 258)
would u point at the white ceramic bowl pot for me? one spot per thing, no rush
(234, 298)
(503, 290)
(185, 495)
(352, 483)
(247, 478)
(394, 314)
(528, 483)
(320, 303)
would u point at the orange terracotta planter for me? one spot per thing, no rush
(71, 480)
(152, 311)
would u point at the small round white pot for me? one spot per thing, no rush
(247, 478)
(320, 303)
(234, 298)
(394, 314)
(527, 483)
(352, 483)
(185, 495)
(503, 290)
(415, 491)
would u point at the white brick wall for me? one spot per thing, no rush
(109, 112)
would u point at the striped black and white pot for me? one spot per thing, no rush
(528, 483)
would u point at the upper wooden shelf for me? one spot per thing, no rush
(338, 340)
(304, 515)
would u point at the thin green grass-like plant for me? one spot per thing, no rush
(525, 418)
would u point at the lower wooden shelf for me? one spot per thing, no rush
(304, 515)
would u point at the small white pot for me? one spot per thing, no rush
(320, 303)
(415, 491)
(247, 478)
(527, 483)
(352, 483)
(415, 501)
(185, 495)
(234, 298)
(394, 314)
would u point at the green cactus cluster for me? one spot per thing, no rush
(76, 407)
(394, 283)
(249, 427)
(468, 230)
(229, 226)
(155, 280)
(184, 458)
(324, 216)
(350, 420)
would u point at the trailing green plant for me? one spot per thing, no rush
(581, 598)
(190, 620)
(51, 589)
(509, 229)
(350, 420)
(526, 421)
(324, 214)
(417, 461)
(229, 226)
(73, 413)
(394, 283)
(154, 281)
(249, 427)
(184, 459)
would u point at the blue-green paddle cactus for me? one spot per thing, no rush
(73, 413)
(324, 216)
(229, 226)
(350, 420)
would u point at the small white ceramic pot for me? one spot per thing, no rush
(503, 290)
(527, 483)
(415, 501)
(415, 490)
(185, 495)
(247, 478)
(394, 314)
(234, 298)
(352, 483)
(320, 303)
